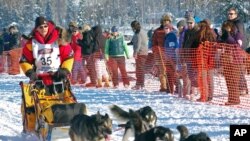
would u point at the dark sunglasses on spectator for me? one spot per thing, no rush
(231, 13)
(190, 22)
(44, 26)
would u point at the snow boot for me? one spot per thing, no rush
(99, 83)
(106, 80)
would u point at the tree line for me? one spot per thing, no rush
(114, 12)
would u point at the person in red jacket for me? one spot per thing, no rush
(45, 55)
(158, 52)
(78, 71)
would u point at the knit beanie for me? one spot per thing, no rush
(40, 21)
(190, 19)
(114, 29)
(188, 14)
(181, 23)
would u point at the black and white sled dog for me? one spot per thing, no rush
(184, 135)
(96, 127)
(158, 133)
(138, 121)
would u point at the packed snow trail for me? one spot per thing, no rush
(171, 110)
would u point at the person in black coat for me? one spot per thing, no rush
(233, 17)
(232, 62)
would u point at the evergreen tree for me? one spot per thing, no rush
(82, 13)
(3, 16)
(70, 11)
(48, 11)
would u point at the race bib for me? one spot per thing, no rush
(47, 57)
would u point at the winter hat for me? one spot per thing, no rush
(114, 29)
(190, 19)
(181, 23)
(188, 14)
(40, 21)
(73, 23)
(12, 27)
(166, 17)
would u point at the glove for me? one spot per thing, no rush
(130, 43)
(32, 75)
(60, 74)
(224, 35)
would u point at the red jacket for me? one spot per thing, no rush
(66, 55)
(76, 48)
(158, 39)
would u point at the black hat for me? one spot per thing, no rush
(40, 21)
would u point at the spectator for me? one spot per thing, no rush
(189, 14)
(78, 72)
(100, 63)
(1, 54)
(71, 26)
(233, 17)
(87, 44)
(231, 59)
(170, 44)
(15, 50)
(114, 52)
(140, 48)
(182, 26)
(150, 36)
(205, 33)
(190, 42)
(6, 40)
(159, 53)
(183, 90)
(1, 44)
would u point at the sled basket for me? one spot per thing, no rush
(43, 113)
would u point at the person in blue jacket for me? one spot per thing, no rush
(170, 44)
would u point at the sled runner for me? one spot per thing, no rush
(48, 114)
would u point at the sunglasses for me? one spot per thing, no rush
(42, 27)
(190, 22)
(231, 13)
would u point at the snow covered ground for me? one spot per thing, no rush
(171, 110)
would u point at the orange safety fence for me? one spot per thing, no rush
(9, 61)
(215, 73)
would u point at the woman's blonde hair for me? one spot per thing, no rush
(86, 27)
(63, 35)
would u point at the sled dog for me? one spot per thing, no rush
(96, 127)
(158, 133)
(184, 135)
(138, 121)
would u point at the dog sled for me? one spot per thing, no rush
(48, 114)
